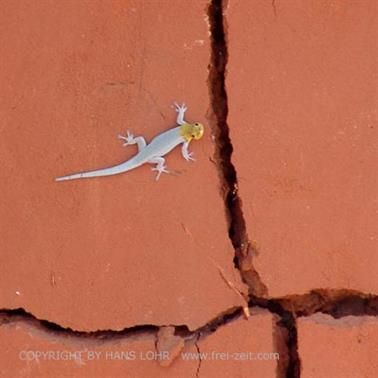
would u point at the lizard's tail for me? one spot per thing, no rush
(75, 176)
(124, 167)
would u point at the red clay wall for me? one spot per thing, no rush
(223, 267)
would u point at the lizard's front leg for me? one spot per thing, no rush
(160, 166)
(185, 152)
(130, 139)
(181, 113)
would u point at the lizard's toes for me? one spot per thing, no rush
(189, 157)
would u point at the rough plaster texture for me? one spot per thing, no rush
(122, 251)
(301, 87)
(344, 347)
(119, 251)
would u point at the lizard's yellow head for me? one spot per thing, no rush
(192, 131)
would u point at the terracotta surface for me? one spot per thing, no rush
(129, 357)
(118, 251)
(124, 251)
(301, 84)
(345, 347)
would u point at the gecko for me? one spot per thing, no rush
(153, 152)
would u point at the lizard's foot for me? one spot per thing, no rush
(180, 108)
(129, 139)
(160, 170)
(189, 157)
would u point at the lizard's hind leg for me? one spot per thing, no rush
(130, 139)
(160, 166)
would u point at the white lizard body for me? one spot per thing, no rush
(154, 151)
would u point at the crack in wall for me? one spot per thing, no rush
(285, 336)
(223, 150)
(8, 316)
(199, 357)
(335, 303)
(244, 250)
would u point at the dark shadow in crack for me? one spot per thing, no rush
(224, 149)
(52, 329)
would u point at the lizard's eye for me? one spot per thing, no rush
(198, 131)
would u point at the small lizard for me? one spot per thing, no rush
(154, 151)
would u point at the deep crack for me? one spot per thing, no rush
(16, 315)
(8, 316)
(337, 303)
(228, 177)
(288, 326)
(223, 151)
